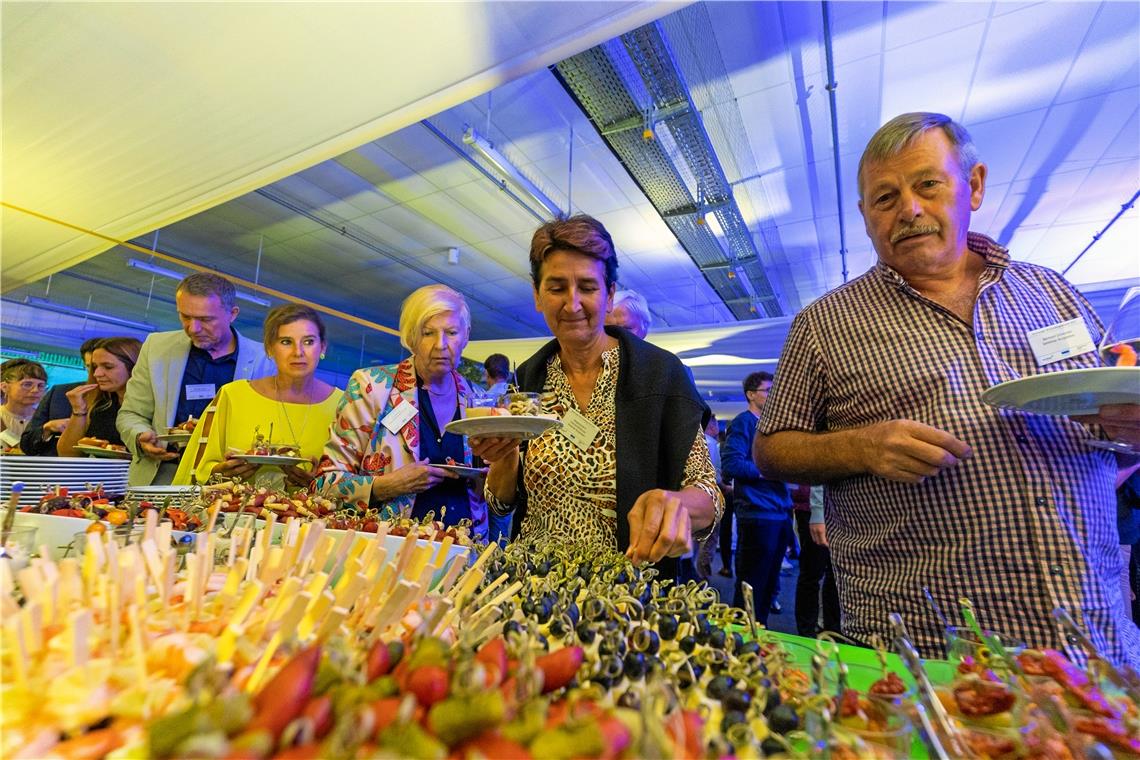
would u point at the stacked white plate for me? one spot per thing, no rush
(73, 473)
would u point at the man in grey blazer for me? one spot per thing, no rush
(179, 373)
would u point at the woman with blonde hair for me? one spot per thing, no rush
(389, 431)
(95, 405)
(289, 408)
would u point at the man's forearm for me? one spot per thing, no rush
(811, 458)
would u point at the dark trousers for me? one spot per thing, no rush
(760, 547)
(815, 566)
(726, 531)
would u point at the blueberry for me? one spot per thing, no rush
(688, 644)
(647, 640)
(772, 747)
(542, 569)
(717, 638)
(557, 628)
(634, 665)
(736, 699)
(737, 641)
(667, 627)
(783, 719)
(542, 642)
(731, 718)
(719, 686)
(622, 577)
(685, 679)
(572, 612)
(748, 646)
(512, 626)
(585, 633)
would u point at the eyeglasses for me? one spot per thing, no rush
(32, 385)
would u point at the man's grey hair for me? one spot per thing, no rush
(208, 284)
(897, 133)
(635, 304)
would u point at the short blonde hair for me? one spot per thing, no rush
(425, 303)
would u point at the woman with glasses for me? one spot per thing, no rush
(22, 382)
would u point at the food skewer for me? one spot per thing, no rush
(1128, 681)
(749, 606)
(10, 515)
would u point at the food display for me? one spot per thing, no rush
(293, 639)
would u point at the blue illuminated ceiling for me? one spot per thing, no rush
(1050, 91)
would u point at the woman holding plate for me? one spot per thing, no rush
(389, 439)
(629, 469)
(289, 408)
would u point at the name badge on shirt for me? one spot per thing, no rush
(400, 415)
(201, 391)
(578, 429)
(1060, 341)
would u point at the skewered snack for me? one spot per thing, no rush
(184, 427)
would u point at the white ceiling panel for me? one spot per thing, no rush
(943, 80)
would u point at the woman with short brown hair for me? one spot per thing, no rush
(618, 394)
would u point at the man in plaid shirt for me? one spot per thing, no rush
(878, 395)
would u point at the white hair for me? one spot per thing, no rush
(425, 303)
(636, 305)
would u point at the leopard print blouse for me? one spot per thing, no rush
(573, 493)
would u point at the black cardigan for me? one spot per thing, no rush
(658, 415)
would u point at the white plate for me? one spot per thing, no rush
(462, 470)
(270, 459)
(101, 453)
(1072, 392)
(179, 437)
(523, 427)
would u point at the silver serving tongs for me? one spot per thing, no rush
(749, 606)
(928, 702)
(1128, 681)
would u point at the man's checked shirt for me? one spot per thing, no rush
(1025, 525)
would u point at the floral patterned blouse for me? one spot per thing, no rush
(571, 492)
(360, 447)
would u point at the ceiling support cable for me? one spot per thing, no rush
(1096, 238)
(832, 85)
(635, 95)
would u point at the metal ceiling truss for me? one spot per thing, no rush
(663, 144)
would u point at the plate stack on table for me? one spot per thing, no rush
(73, 473)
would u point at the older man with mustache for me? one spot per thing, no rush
(878, 396)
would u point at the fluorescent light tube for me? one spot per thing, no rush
(146, 266)
(43, 303)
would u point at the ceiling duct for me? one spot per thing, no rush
(636, 97)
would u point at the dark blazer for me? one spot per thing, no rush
(53, 406)
(658, 415)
